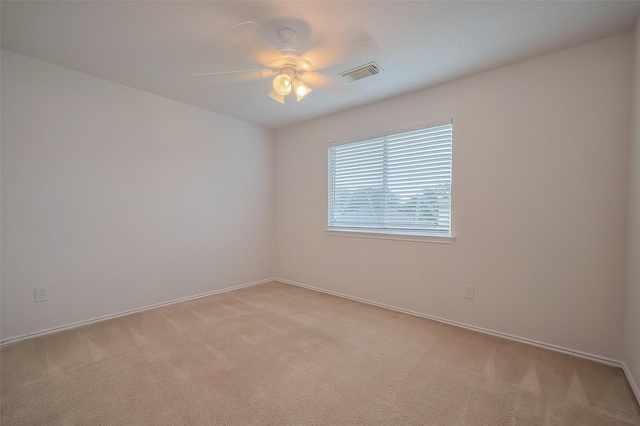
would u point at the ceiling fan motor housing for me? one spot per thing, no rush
(295, 63)
(290, 71)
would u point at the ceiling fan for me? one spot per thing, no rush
(293, 71)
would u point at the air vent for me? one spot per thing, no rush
(361, 72)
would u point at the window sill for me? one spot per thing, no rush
(391, 235)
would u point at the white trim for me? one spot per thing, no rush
(387, 132)
(389, 235)
(634, 386)
(131, 311)
(597, 358)
(603, 360)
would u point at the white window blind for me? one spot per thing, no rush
(399, 183)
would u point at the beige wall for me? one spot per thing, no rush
(117, 199)
(539, 202)
(632, 319)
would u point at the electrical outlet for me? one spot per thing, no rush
(41, 294)
(469, 291)
(261, 261)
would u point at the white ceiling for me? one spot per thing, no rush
(160, 46)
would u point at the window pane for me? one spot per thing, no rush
(397, 182)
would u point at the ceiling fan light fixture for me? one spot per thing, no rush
(282, 84)
(276, 96)
(301, 90)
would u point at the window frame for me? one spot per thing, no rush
(390, 234)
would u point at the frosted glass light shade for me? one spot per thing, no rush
(282, 84)
(276, 96)
(301, 89)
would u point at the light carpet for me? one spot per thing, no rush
(276, 354)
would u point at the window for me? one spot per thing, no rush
(393, 184)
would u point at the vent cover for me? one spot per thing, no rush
(361, 72)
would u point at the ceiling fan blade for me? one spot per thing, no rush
(260, 70)
(316, 79)
(223, 78)
(250, 41)
(360, 52)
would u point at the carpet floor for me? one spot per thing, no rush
(276, 354)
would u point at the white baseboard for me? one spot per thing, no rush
(632, 382)
(131, 311)
(556, 348)
(634, 386)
